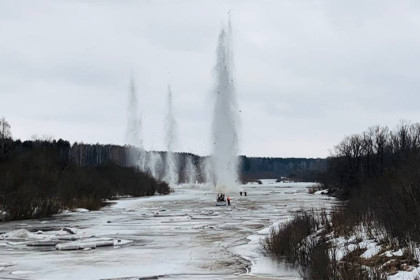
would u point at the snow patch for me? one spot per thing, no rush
(81, 210)
(21, 272)
(321, 192)
(391, 253)
(405, 275)
(372, 249)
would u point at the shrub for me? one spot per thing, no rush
(297, 243)
(287, 239)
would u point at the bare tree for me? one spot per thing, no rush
(5, 132)
(367, 148)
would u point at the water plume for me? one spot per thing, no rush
(134, 137)
(154, 164)
(190, 171)
(171, 168)
(225, 148)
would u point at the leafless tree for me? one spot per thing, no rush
(381, 143)
(367, 148)
(5, 132)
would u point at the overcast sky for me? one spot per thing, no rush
(307, 73)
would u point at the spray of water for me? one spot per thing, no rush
(171, 168)
(133, 137)
(190, 171)
(225, 148)
(204, 168)
(154, 164)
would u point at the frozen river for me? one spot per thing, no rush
(179, 236)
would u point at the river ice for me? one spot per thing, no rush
(179, 236)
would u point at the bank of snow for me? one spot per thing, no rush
(372, 250)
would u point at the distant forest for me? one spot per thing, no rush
(250, 169)
(378, 173)
(299, 169)
(41, 178)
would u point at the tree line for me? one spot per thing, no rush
(377, 175)
(39, 178)
(378, 172)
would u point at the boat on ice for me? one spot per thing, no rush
(221, 203)
(221, 200)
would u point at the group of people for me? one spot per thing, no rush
(221, 197)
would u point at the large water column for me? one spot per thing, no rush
(225, 146)
(190, 173)
(134, 137)
(171, 163)
(154, 164)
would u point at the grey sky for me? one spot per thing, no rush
(307, 72)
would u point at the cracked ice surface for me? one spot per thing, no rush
(179, 236)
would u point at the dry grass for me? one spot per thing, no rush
(288, 238)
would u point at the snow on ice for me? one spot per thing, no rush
(185, 231)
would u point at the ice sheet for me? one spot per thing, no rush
(181, 236)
